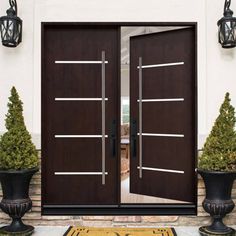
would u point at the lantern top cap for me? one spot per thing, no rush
(11, 12)
(228, 13)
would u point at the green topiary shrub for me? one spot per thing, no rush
(17, 152)
(219, 151)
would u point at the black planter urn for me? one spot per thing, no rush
(16, 201)
(218, 202)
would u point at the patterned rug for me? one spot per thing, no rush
(87, 231)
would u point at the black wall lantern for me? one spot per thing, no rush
(11, 26)
(227, 27)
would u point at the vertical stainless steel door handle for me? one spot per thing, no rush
(113, 138)
(140, 118)
(133, 138)
(103, 118)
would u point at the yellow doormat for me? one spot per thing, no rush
(85, 231)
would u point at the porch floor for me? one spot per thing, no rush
(59, 230)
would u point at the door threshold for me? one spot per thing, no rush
(123, 209)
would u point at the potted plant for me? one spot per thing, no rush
(18, 163)
(217, 166)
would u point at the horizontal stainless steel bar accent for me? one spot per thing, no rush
(80, 173)
(79, 62)
(162, 65)
(80, 99)
(78, 136)
(162, 170)
(163, 135)
(163, 100)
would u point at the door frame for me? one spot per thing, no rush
(123, 209)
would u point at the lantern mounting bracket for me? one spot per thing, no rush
(227, 11)
(227, 4)
(13, 5)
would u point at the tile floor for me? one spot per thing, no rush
(127, 197)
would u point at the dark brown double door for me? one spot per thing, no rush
(81, 118)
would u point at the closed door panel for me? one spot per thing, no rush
(162, 98)
(79, 105)
(68, 109)
(78, 74)
(72, 149)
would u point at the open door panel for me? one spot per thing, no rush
(163, 117)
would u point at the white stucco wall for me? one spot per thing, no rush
(21, 66)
